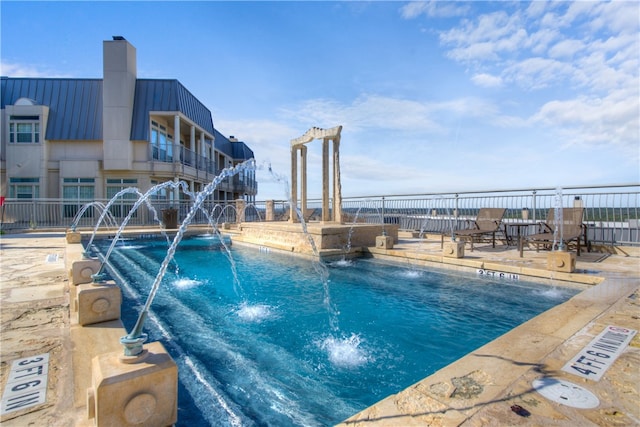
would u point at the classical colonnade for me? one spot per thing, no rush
(298, 146)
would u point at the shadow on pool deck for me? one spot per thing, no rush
(479, 389)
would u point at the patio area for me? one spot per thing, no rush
(479, 389)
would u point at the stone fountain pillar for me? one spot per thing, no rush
(269, 214)
(73, 236)
(561, 260)
(384, 242)
(134, 391)
(97, 302)
(453, 249)
(240, 206)
(82, 270)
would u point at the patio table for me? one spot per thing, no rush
(519, 232)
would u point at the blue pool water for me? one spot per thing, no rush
(273, 348)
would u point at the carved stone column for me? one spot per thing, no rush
(294, 184)
(303, 181)
(325, 181)
(337, 185)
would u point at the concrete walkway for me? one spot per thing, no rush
(479, 389)
(35, 320)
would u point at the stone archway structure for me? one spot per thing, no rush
(298, 145)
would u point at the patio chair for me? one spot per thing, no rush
(488, 221)
(571, 229)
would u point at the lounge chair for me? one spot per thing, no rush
(571, 229)
(487, 222)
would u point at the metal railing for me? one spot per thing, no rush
(611, 213)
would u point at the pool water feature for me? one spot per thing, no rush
(271, 357)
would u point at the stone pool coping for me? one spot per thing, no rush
(478, 389)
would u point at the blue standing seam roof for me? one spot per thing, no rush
(237, 150)
(222, 143)
(241, 151)
(166, 95)
(75, 105)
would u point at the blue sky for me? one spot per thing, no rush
(432, 96)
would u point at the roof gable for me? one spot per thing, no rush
(75, 105)
(165, 95)
(237, 150)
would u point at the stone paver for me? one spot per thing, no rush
(35, 320)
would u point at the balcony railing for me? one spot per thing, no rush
(184, 156)
(611, 213)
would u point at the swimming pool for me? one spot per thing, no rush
(259, 341)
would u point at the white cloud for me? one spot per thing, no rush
(510, 42)
(618, 16)
(536, 9)
(539, 41)
(575, 11)
(433, 9)
(536, 73)
(566, 49)
(25, 70)
(487, 80)
(588, 50)
(368, 112)
(490, 35)
(385, 140)
(484, 51)
(584, 121)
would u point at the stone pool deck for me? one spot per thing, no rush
(481, 388)
(478, 389)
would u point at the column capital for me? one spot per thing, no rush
(317, 133)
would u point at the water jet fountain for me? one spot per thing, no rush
(559, 258)
(133, 341)
(452, 248)
(139, 387)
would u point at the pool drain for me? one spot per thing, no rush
(566, 393)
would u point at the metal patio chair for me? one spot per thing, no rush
(487, 222)
(570, 229)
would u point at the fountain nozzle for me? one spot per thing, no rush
(133, 342)
(98, 277)
(133, 345)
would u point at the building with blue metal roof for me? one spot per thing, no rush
(87, 139)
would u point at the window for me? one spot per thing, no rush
(77, 192)
(24, 129)
(161, 143)
(121, 206)
(24, 188)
